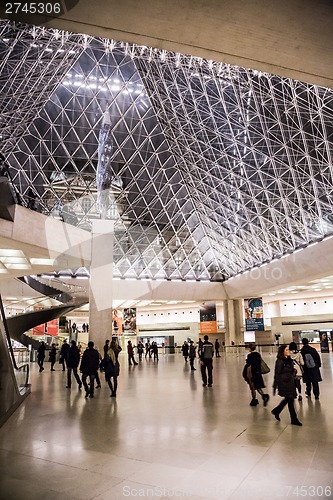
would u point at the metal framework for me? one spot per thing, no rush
(216, 168)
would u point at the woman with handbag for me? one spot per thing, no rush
(298, 360)
(112, 367)
(254, 376)
(284, 382)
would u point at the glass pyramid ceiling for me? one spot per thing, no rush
(216, 168)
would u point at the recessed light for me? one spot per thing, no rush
(18, 266)
(42, 262)
(14, 260)
(8, 252)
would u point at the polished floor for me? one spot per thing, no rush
(166, 436)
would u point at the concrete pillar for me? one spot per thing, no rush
(233, 321)
(101, 282)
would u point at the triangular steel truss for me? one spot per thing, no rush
(216, 168)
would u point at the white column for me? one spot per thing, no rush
(101, 282)
(233, 320)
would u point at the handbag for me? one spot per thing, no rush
(264, 367)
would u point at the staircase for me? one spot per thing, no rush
(72, 298)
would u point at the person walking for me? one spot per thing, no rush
(254, 376)
(185, 350)
(41, 356)
(140, 349)
(130, 353)
(112, 367)
(106, 347)
(206, 362)
(73, 361)
(298, 360)
(192, 355)
(217, 348)
(312, 364)
(284, 382)
(199, 347)
(53, 354)
(63, 354)
(154, 348)
(88, 367)
(148, 349)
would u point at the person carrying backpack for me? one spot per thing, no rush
(206, 362)
(312, 364)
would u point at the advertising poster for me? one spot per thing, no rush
(117, 321)
(208, 323)
(129, 320)
(50, 328)
(254, 314)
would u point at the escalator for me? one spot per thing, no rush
(14, 376)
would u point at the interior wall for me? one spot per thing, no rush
(288, 38)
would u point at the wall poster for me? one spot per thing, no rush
(254, 314)
(129, 320)
(208, 323)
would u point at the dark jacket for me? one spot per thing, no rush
(254, 361)
(73, 357)
(185, 350)
(192, 351)
(64, 350)
(41, 351)
(53, 354)
(90, 362)
(207, 351)
(311, 374)
(284, 380)
(112, 368)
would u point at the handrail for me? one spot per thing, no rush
(37, 301)
(10, 347)
(59, 284)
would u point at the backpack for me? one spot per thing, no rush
(309, 361)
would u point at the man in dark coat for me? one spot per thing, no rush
(311, 375)
(52, 356)
(185, 350)
(73, 360)
(206, 362)
(192, 355)
(41, 356)
(89, 367)
(63, 354)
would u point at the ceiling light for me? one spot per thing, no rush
(14, 260)
(42, 262)
(18, 266)
(9, 252)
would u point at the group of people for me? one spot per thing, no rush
(88, 365)
(205, 353)
(53, 355)
(151, 350)
(291, 367)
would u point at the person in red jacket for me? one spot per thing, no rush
(130, 352)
